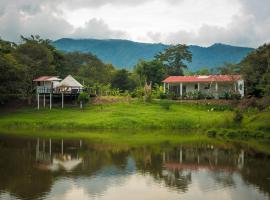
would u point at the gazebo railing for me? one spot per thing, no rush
(44, 89)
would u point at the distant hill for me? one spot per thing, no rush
(125, 53)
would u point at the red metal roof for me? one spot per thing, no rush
(202, 78)
(44, 78)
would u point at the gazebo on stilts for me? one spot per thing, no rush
(53, 86)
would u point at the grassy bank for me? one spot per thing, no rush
(135, 115)
(124, 115)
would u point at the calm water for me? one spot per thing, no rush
(63, 169)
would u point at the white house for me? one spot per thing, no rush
(215, 85)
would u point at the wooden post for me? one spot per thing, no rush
(50, 101)
(198, 87)
(181, 89)
(164, 87)
(216, 90)
(50, 146)
(44, 100)
(62, 147)
(181, 155)
(62, 100)
(38, 101)
(43, 146)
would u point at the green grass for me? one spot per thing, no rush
(133, 115)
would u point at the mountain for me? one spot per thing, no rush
(125, 53)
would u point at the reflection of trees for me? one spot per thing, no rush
(103, 166)
(256, 172)
(18, 173)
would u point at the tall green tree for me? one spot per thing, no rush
(175, 58)
(122, 80)
(256, 70)
(150, 71)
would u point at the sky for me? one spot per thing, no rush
(198, 22)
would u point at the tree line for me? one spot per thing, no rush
(34, 57)
(21, 63)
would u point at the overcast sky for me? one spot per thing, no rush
(200, 22)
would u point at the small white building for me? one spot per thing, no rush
(46, 84)
(215, 85)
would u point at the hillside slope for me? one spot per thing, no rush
(125, 53)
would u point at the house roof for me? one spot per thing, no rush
(47, 78)
(202, 78)
(69, 81)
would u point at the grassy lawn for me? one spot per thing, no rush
(124, 115)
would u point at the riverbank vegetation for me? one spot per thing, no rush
(135, 114)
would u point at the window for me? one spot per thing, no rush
(207, 87)
(196, 86)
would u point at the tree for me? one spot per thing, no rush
(150, 71)
(35, 59)
(256, 70)
(201, 71)
(122, 80)
(230, 69)
(174, 58)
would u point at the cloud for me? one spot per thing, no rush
(167, 21)
(97, 28)
(250, 27)
(14, 24)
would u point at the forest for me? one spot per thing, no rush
(21, 62)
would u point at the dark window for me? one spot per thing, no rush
(240, 87)
(207, 87)
(196, 86)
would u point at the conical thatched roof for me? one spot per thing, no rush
(69, 81)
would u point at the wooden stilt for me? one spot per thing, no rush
(44, 100)
(62, 147)
(38, 100)
(50, 101)
(50, 146)
(181, 155)
(62, 100)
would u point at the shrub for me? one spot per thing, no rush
(83, 98)
(263, 103)
(238, 116)
(166, 105)
(212, 133)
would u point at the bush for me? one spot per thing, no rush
(238, 116)
(212, 133)
(263, 103)
(83, 98)
(166, 105)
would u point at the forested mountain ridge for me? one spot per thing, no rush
(125, 53)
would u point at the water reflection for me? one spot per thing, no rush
(75, 169)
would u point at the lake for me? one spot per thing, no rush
(37, 168)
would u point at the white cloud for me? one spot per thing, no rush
(203, 22)
(97, 28)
